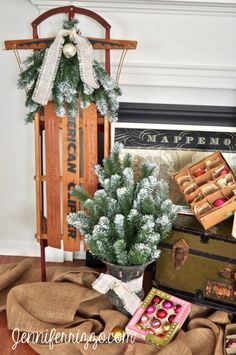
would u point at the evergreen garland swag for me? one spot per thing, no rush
(131, 213)
(68, 91)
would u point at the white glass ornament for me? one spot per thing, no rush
(69, 50)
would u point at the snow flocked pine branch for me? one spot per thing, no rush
(131, 213)
(68, 90)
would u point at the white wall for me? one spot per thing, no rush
(16, 140)
(186, 54)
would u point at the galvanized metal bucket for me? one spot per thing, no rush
(125, 274)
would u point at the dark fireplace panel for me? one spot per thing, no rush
(176, 135)
(177, 114)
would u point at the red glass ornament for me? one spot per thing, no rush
(199, 172)
(155, 323)
(219, 202)
(177, 308)
(167, 304)
(156, 300)
(150, 309)
(171, 318)
(224, 171)
(161, 313)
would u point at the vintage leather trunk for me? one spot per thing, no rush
(199, 265)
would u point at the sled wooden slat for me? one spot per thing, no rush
(38, 190)
(52, 176)
(70, 178)
(90, 148)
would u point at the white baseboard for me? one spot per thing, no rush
(12, 248)
(80, 255)
(54, 255)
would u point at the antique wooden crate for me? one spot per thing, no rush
(199, 266)
(208, 188)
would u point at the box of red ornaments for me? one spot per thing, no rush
(158, 318)
(230, 339)
(209, 187)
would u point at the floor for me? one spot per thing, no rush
(5, 335)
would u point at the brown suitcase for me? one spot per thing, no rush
(199, 265)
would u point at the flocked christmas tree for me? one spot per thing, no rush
(131, 213)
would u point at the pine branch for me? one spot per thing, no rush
(148, 206)
(127, 161)
(121, 252)
(67, 25)
(80, 194)
(147, 170)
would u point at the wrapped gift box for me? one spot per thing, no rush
(158, 318)
(209, 186)
(230, 339)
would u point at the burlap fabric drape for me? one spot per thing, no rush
(68, 304)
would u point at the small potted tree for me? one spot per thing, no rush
(126, 218)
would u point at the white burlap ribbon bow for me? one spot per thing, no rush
(51, 61)
(125, 290)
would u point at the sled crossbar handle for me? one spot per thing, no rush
(97, 43)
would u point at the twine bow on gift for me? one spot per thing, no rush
(124, 290)
(51, 61)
